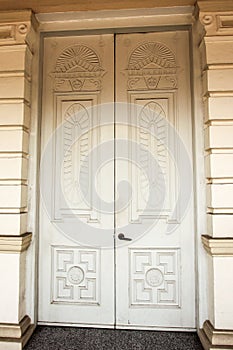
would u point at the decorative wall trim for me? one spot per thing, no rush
(105, 19)
(15, 26)
(216, 17)
(215, 5)
(218, 336)
(17, 334)
(215, 338)
(15, 16)
(8, 330)
(15, 244)
(218, 246)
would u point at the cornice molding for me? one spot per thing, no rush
(15, 16)
(215, 5)
(218, 246)
(15, 26)
(216, 17)
(49, 6)
(114, 19)
(15, 244)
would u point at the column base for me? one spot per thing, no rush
(15, 336)
(215, 339)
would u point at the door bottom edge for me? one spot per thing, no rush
(156, 328)
(119, 326)
(80, 325)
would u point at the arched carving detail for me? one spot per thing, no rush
(78, 68)
(152, 66)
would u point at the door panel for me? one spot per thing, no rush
(155, 272)
(76, 274)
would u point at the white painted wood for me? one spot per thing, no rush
(176, 251)
(199, 182)
(121, 327)
(77, 278)
(155, 272)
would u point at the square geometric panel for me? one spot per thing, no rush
(75, 275)
(155, 277)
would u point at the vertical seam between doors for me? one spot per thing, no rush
(114, 171)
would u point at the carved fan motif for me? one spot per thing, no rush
(152, 65)
(78, 68)
(152, 52)
(78, 58)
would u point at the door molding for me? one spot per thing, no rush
(117, 21)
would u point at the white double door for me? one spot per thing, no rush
(116, 213)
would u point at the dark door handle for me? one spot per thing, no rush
(122, 237)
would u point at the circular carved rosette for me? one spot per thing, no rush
(22, 28)
(207, 20)
(75, 275)
(154, 277)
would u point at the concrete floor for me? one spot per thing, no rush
(67, 338)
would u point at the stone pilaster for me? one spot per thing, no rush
(16, 53)
(217, 72)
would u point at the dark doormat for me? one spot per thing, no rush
(69, 338)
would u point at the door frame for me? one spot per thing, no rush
(117, 21)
